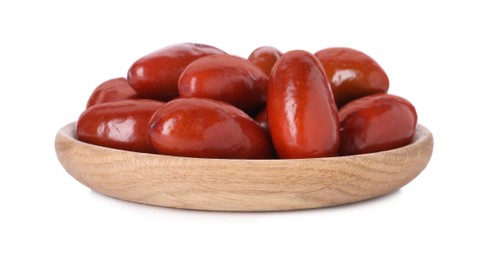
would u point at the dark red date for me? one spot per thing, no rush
(195, 127)
(264, 58)
(155, 75)
(302, 115)
(121, 125)
(376, 123)
(110, 91)
(226, 78)
(352, 74)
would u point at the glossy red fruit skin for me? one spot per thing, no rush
(376, 123)
(227, 78)
(302, 115)
(112, 90)
(264, 58)
(262, 119)
(195, 127)
(352, 74)
(120, 125)
(155, 75)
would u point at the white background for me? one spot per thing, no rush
(52, 54)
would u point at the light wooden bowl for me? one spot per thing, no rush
(241, 185)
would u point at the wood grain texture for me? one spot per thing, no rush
(241, 185)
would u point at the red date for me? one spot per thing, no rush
(195, 127)
(376, 123)
(302, 115)
(264, 58)
(226, 78)
(110, 91)
(352, 74)
(121, 125)
(155, 75)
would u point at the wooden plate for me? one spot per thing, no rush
(241, 185)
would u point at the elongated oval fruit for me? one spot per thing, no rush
(112, 90)
(226, 78)
(265, 58)
(155, 75)
(120, 125)
(206, 128)
(376, 123)
(352, 74)
(302, 115)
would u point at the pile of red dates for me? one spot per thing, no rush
(195, 100)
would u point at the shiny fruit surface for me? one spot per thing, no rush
(112, 90)
(264, 58)
(155, 75)
(302, 115)
(195, 127)
(262, 119)
(352, 74)
(120, 125)
(376, 123)
(226, 78)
